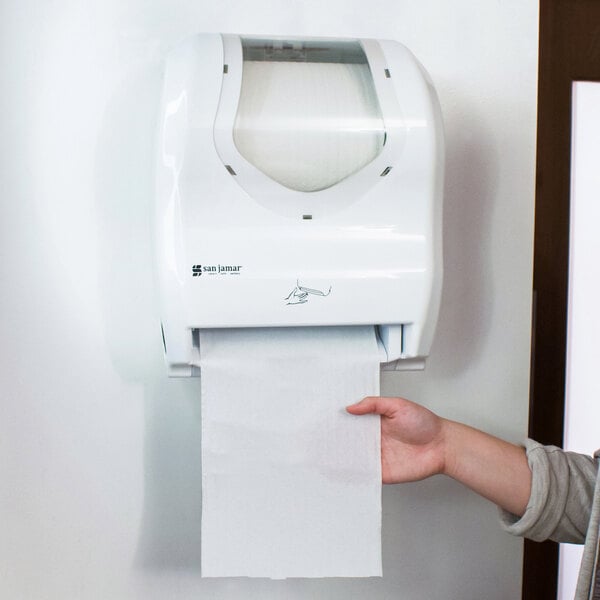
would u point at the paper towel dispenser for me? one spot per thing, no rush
(299, 183)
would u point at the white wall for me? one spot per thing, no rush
(582, 411)
(99, 451)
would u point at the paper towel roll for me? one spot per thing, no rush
(291, 482)
(308, 125)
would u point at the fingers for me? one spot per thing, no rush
(386, 407)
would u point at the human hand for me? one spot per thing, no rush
(412, 438)
(416, 443)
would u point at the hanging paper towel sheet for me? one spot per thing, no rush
(291, 482)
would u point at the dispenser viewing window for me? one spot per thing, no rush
(308, 114)
(299, 183)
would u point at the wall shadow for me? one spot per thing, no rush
(169, 535)
(467, 294)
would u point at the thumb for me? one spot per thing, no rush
(374, 405)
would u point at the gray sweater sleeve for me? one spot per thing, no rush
(562, 490)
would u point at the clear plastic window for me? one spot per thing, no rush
(308, 115)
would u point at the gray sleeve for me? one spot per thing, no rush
(562, 490)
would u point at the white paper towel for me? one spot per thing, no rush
(291, 482)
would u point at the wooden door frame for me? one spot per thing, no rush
(569, 50)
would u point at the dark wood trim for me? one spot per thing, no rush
(569, 50)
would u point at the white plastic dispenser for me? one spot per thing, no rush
(299, 183)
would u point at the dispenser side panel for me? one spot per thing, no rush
(192, 82)
(423, 166)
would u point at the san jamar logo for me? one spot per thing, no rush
(300, 294)
(198, 270)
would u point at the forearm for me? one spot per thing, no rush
(495, 469)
